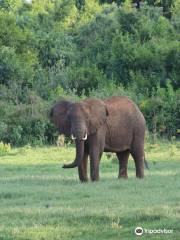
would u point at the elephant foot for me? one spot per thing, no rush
(140, 172)
(140, 176)
(84, 180)
(123, 176)
(95, 178)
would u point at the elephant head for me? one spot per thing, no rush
(79, 120)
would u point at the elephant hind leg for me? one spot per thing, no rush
(123, 160)
(138, 156)
(82, 168)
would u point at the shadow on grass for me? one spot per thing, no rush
(10, 195)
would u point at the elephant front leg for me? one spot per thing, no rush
(94, 169)
(96, 148)
(82, 169)
(95, 157)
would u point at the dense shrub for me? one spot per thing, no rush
(4, 148)
(162, 111)
(79, 48)
(25, 124)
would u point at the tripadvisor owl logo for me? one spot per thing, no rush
(138, 231)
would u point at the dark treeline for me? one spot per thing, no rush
(77, 49)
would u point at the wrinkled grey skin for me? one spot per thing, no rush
(113, 125)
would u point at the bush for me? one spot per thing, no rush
(4, 148)
(77, 49)
(162, 111)
(26, 123)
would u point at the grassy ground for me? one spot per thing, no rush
(40, 200)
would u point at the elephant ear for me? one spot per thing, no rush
(98, 113)
(58, 116)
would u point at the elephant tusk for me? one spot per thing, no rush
(85, 137)
(72, 137)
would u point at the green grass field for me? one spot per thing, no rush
(39, 200)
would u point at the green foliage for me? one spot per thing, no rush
(85, 79)
(162, 111)
(75, 49)
(4, 148)
(26, 123)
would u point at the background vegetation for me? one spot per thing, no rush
(77, 49)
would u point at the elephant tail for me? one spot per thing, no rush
(146, 164)
(71, 165)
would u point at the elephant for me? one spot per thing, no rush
(112, 125)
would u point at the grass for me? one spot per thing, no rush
(41, 201)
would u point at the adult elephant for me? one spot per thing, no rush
(112, 125)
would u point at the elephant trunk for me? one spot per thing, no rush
(78, 130)
(79, 155)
